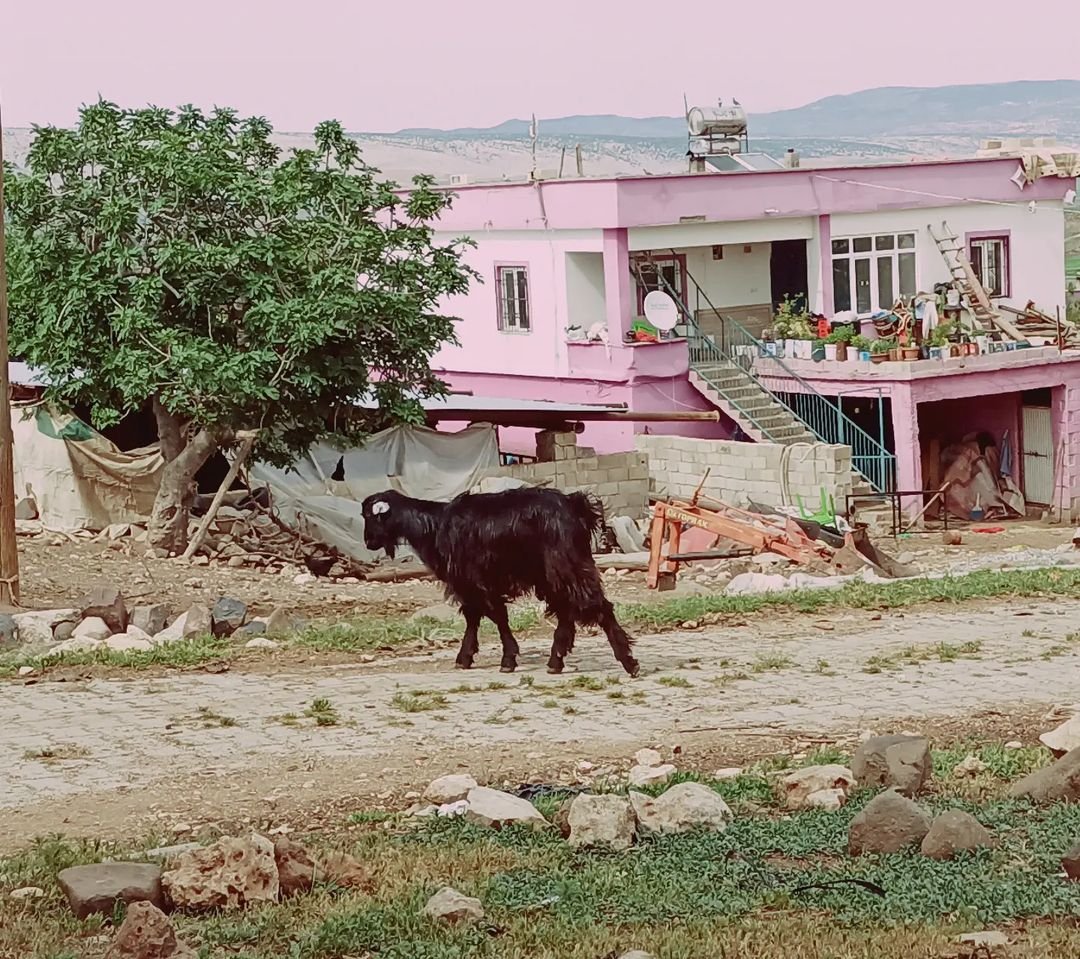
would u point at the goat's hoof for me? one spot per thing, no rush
(461, 665)
(632, 668)
(554, 670)
(507, 669)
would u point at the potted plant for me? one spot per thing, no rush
(836, 343)
(880, 350)
(793, 328)
(860, 346)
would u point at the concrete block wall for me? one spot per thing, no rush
(748, 471)
(620, 480)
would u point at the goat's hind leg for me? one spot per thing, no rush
(563, 641)
(470, 642)
(620, 640)
(501, 618)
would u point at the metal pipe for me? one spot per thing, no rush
(616, 416)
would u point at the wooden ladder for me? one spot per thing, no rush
(967, 284)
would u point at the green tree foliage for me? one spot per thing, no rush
(178, 259)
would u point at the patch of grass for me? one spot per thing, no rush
(323, 712)
(771, 663)
(420, 701)
(182, 654)
(674, 682)
(61, 752)
(916, 655)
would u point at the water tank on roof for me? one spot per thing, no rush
(718, 121)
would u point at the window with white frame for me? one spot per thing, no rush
(871, 273)
(512, 284)
(989, 257)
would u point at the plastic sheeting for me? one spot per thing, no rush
(973, 470)
(416, 461)
(80, 479)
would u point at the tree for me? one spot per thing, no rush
(177, 259)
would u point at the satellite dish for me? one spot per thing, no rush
(661, 311)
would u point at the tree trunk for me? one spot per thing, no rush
(168, 529)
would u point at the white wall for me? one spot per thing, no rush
(1036, 243)
(585, 300)
(739, 279)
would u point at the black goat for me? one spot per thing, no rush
(490, 548)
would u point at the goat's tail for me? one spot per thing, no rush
(588, 511)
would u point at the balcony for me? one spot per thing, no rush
(627, 362)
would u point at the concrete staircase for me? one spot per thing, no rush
(760, 414)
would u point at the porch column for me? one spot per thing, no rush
(905, 422)
(823, 299)
(617, 291)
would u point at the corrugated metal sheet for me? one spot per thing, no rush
(1038, 441)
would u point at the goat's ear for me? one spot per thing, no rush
(380, 507)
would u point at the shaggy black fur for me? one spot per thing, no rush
(490, 548)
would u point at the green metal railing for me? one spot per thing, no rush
(742, 359)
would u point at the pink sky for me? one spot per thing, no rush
(386, 65)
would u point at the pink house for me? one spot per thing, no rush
(563, 258)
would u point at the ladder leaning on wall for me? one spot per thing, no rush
(967, 284)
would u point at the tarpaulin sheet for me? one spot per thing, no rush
(417, 461)
(973, 471)
(81, 480)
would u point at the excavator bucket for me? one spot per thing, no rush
(858, 551)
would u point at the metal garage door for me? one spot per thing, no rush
(1038, 437)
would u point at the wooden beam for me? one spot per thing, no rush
(9, 550)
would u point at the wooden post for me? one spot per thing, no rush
(9, 550)
(247, 442)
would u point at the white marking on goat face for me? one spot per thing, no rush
(380, 507)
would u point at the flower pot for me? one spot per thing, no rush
(842, 352)
(879, 357)
(832, 352)
(982, 344)
(909, 353)
(955, 349)
(864, 356)
(894, 354)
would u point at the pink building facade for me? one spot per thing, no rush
(560, 259)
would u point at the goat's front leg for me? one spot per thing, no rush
(470, 642)
(501, 618)
(563, 641)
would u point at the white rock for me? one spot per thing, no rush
(988, 939)
(1013, 744)
(260, 642)
(193, 622)
(303, 579)
(490, 807)
(27, 892)
(648, 757)
(134, 632)
(584, 767)
(971, 766)
(122, 643)
(830, 799)
(36, 627)
(683, 807)
(651, 775)
(802, 783)
(1064, 738)
(439, 613)
(79, 644)
(26, 671)
(449, 905)
(636, 954)
(449, 789)
(454, 808)
(730, 772)
(606, 820)
(91, 629)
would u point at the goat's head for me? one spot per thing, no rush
(384, 521)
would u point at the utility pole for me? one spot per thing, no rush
(9, 550)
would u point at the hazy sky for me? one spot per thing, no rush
(379, 65)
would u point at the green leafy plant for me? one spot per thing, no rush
(883, 345)
(860, 343)
(842, 334)
(176, 261)
(793, 321)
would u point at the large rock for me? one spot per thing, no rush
(651, 775)
(1059, 741)
(36, 628)
(955, 831)
(107, 603)
(607, 820)
(490, 807)
(448, 789)
(93, 629)
(193, 622)
(833, 781)
(232, 873)
(9, 632)
(648, 757)
(132, 640)
(449, 905)
(683, 807)
(150, 619)
(296, 868)
(1071, 863)
(227, 616)
(890, 822)
(147, 933)
(98, 888)
(893, 762)
(1056, 783)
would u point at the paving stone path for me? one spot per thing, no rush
(63, 739)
